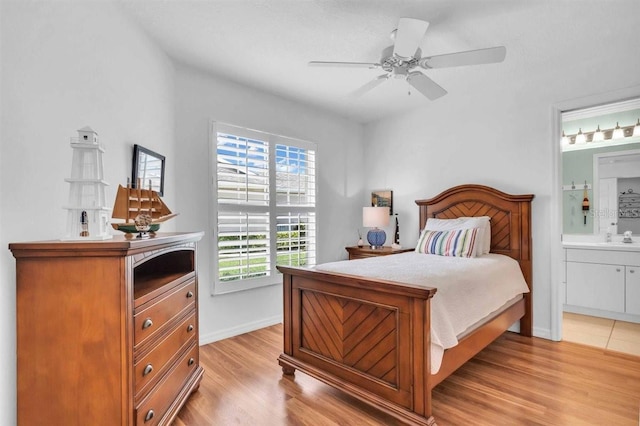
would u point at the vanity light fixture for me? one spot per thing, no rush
(598, 135)
(618, 132)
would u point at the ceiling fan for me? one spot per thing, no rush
(405, 56)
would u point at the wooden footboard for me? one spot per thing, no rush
(368, 338)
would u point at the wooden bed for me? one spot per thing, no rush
(371, 338)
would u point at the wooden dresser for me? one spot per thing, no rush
(107, 331)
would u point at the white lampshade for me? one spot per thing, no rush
(373, 217)
(580, 137)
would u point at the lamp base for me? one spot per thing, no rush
(376, 237)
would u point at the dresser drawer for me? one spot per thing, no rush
(151, 366)
(153, 409)
(151, 319)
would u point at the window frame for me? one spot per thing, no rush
(274, 277)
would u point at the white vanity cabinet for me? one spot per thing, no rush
(595, 285)
(633, 290)
(603, 282)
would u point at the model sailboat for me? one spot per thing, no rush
(142, 210)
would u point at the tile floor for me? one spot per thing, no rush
(606, 333)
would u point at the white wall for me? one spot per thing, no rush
(201, 98)
(496, 129)
(66, 65)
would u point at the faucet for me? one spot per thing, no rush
(608, 235)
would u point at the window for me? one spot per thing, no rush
(264, 193)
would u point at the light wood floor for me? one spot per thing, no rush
(514, 381)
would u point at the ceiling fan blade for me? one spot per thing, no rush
(425, 85)
(343, 64)
(370, 85)
(470, 57)
(408, 36)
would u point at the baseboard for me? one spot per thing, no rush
(543, 333)
(240, 329)
(620, 316)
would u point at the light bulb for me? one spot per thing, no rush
(598, 135)
(565, 139)
(580, 138)
(618, 133)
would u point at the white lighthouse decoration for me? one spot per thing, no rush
(88, 214)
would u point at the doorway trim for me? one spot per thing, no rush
(557, 253)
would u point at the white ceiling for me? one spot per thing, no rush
(266, 44)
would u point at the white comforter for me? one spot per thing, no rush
(469, 289)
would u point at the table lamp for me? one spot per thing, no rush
(374, 217)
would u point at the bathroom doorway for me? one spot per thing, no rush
(585, 213)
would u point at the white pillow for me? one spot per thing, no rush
(483, 242)
(485, 239)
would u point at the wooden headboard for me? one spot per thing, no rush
(510, 220)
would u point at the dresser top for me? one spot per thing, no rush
(118, 246)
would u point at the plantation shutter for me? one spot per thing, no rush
(265, 199)
(243, 245)
(295, 204)
(243, 170)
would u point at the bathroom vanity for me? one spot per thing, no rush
(603, 279)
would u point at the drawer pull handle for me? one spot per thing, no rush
(149, 416)
(148, 369)
(190, 327)
(191, 362)
(632, 271)
(189, 294)
(617, 269)
(147, 323)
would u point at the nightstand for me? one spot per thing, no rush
(356, 252)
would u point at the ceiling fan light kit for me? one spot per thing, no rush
(402, 58)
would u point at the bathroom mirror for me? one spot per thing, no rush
(617, 183)
(600, 164)
(148, 169)
(612, 179)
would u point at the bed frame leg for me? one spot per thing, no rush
(289, 371)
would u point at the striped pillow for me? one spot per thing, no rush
(457, 242)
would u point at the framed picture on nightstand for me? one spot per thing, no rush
(382, 198)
